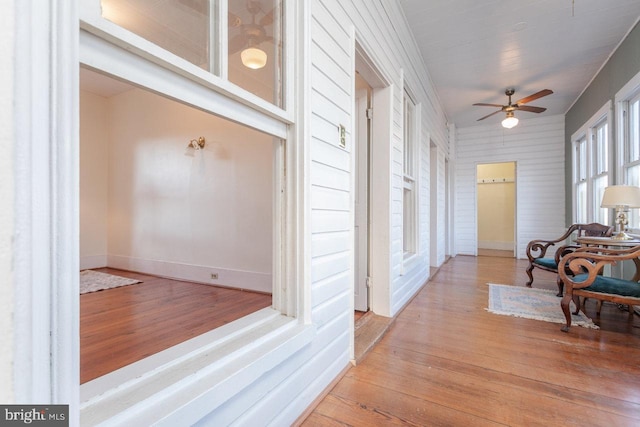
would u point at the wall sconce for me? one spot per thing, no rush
(621, 197)
(197, 144)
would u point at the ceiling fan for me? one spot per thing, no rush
(510, 121)
(251, 35)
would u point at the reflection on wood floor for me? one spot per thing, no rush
(447, 361)
(123, 325)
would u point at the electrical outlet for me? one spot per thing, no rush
(214, 276)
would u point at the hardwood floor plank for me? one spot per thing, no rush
(374, 405)
(123, 325)
(448, 361)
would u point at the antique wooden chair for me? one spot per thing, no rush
(537, 249)
(581, 271)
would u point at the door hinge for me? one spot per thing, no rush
(369, 113)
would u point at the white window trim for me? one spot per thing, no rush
(585, 131)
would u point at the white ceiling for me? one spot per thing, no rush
(474, 50)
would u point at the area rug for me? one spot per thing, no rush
(532, 303)
(92, 281)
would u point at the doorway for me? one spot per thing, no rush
(496, 192)
(362, 140)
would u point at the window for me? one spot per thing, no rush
(184, 28)
(580, 180)
(409, 193)
(600, 170)
(180, 50)
(591, 169)
(246, 49)
(630, 138)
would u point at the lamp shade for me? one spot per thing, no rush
(253, 58)
(621, 195)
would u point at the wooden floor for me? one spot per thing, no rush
(495, 253)
(123, 325)
(447, 361)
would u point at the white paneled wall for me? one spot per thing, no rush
(379, 28)
(537, 147)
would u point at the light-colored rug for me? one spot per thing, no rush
(532, 303)
(92, 281)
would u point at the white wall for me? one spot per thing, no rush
(94, 156)
(6, 207)
(399, 62)
(536, 145)
(174, 211)
(438, 194)
(380, 28)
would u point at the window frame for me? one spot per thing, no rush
(628, 93)
(108, 48)
(91, 21)
(584, 167)
(410, 175)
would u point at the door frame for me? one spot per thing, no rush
(362, 171)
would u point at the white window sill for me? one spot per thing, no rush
(184, 383)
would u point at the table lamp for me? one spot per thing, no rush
(621, 197)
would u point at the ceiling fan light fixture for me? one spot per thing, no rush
(253, 58)
(510, 122)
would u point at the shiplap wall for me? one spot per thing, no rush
(537, 147)
(380, 28)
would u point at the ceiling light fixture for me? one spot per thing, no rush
(510, 121)
(253, 58)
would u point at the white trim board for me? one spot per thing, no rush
(248, 280)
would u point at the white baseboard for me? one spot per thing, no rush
(249, 280)
(499, 246)
(93, 261)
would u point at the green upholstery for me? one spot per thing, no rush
(549, 263)
(611, 285)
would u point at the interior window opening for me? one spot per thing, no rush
(179, 201)
(253, 56)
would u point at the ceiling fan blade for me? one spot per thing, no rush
(536, 95)
(482, 104)
(531, 109)
(267, 19)
(234, 20)
(237, 43)
(488, 115)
